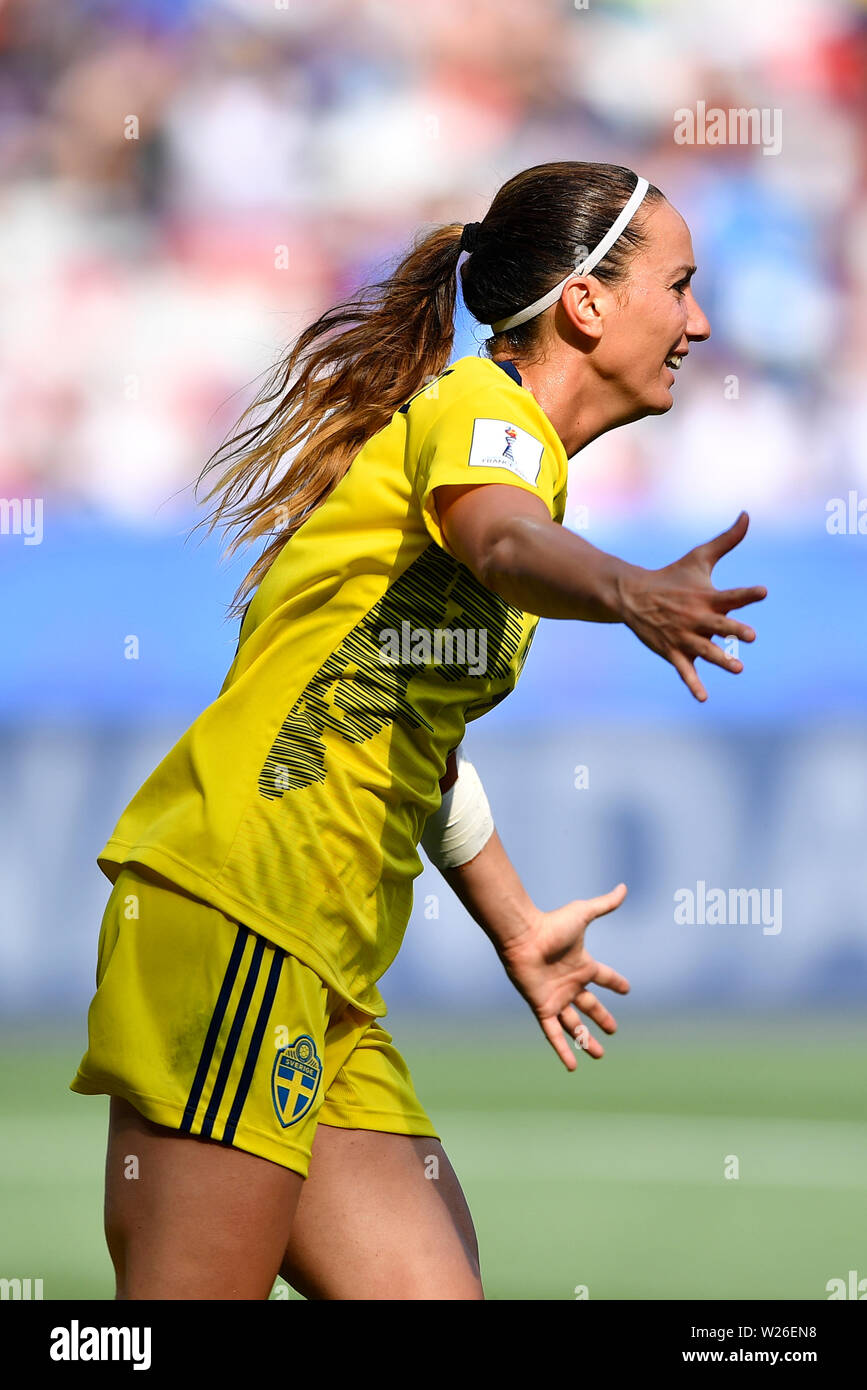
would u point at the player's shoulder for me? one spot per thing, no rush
(461, 382)
(469, 377)
(477, 389)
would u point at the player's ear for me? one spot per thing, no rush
(584, 303)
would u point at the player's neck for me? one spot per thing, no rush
(579, 404)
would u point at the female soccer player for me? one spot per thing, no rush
(263, 873)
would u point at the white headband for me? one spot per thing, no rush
(605, 245)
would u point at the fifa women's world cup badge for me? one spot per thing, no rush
(500, 444)
(295, 1080)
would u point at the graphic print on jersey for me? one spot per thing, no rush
(355, 693)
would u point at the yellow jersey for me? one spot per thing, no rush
(295, 802)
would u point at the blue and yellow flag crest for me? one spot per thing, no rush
(295, 1080)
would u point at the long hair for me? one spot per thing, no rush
(348, 372)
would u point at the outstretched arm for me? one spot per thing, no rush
(543, 953)
(505, 536)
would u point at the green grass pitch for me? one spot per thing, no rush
(612, 1178)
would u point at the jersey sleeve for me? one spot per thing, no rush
(488, 437)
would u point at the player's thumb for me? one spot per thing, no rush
(606, 902)
(714, 550)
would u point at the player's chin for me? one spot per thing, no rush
(660, 399)
(654, 399)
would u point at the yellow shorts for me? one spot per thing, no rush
(208, 1028)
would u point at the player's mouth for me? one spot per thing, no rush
(674, 360)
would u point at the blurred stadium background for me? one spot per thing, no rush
(281, 154)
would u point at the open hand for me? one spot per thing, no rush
(549, 966)
(676, 611)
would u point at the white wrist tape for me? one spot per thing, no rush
(463, 824)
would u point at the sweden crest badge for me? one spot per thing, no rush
(295, 1080)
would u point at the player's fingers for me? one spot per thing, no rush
(685, 669)
(606, 978)
(595, 1009)
(709, 651)
(713, 550)
(725, 599)
(570, 1019)
(557, 1038)
(728, 627)
(579, 1032)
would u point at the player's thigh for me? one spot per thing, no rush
(381, 1216)
(202, 1177)
(189, 1218)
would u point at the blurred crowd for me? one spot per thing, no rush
(185, 183)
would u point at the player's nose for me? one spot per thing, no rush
(697, 325)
